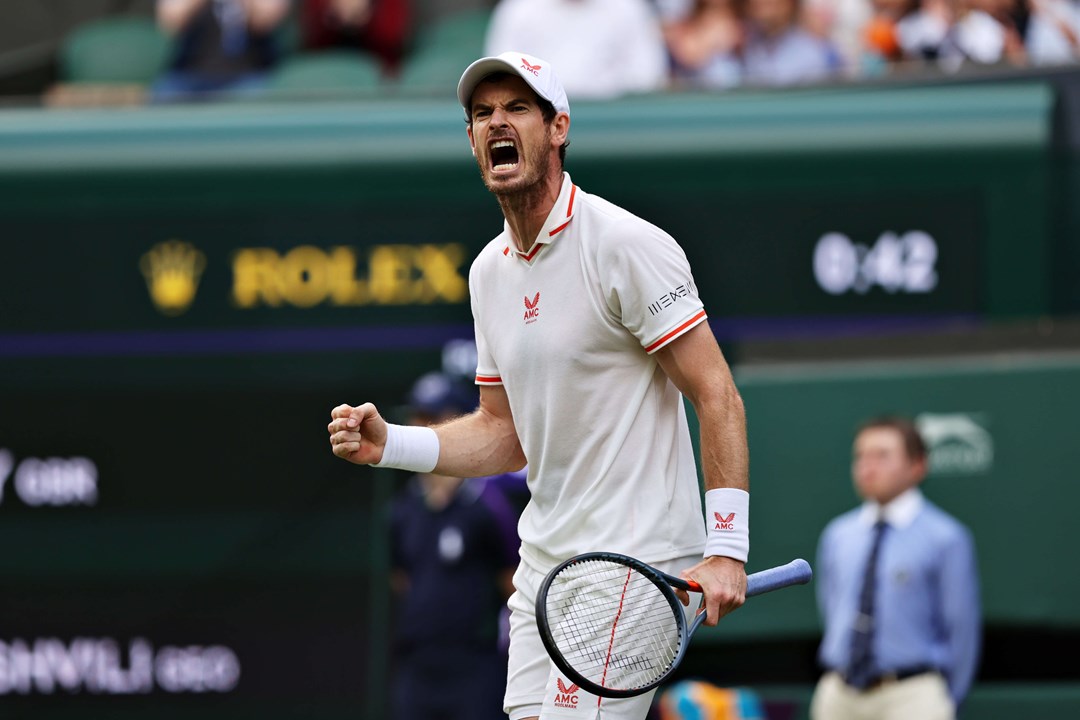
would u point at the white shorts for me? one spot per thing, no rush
(535, 687)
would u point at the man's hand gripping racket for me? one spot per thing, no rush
(615, 625)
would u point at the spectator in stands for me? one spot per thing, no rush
(898, 589)
(1037, 32)
(840, 23)
(779, 51)
(222, 46)
(451, 538)
(924, 34)
(379, 27)
(879, 48)
(705, 45)
(952, 33)
(603, 48)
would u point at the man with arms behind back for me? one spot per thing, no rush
(898, 589)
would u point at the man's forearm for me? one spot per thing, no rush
(478, 444)
(725, 455)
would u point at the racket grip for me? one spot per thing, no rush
(693, 586)
(796, 572)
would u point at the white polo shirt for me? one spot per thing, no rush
(569, 329)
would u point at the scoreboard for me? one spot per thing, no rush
(176, 543)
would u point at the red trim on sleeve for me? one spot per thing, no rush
(489, 379)
(677, 331)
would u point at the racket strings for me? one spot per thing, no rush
(612, 624)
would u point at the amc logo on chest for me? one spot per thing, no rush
(532, 308)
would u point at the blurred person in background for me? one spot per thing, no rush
(898, 590)
(880, 47)
(778, 50)
(453, 554)
(924, 34)
(378, 27)
(603, 48)
(1048, 31)
(840, 23)
(953, 33)
(705, 44)
(221, 46)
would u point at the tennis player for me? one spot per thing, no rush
(589, 333)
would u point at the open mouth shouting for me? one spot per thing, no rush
(504, 155)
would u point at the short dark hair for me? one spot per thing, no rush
(547, 109)
(914, 444)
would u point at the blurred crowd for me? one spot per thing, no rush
(607, 48)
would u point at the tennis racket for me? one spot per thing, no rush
(615, 626)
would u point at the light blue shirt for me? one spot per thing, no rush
(927, 606)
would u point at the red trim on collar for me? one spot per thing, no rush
(569, 212)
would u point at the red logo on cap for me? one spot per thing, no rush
(526, 65)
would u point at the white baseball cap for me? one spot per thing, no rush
(537, 72)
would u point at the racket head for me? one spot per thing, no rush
(611, 623)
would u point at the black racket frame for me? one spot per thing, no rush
(662, 580)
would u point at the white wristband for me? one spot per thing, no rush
(727, 517)
(410, 447)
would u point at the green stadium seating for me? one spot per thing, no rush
(114, 50)
(442, 51)
(330, 72)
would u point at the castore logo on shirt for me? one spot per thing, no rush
(532, 311)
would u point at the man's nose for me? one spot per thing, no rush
(498, 116)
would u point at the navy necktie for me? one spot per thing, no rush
(861, 669)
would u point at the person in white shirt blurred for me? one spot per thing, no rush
(603, 48)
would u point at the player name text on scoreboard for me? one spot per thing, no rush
(48, 665)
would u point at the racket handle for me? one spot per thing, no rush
(796, 572)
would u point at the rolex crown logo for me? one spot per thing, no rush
(172, 270)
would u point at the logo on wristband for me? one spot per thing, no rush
(725, 523)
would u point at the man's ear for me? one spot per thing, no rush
(560, 129)
(472, 143)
